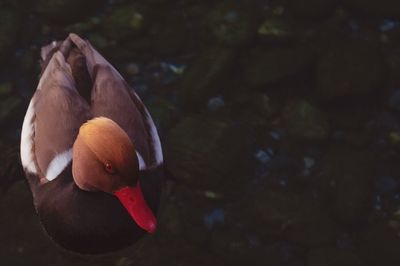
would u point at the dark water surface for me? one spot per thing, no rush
(280, 124)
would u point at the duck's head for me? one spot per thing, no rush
(104, 159)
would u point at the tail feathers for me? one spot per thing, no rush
(76, 60)
(47, 52)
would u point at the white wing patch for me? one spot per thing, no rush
(156, 139)
(142, 164)
(28, 127)
(28, 131)
(154, 135)
(58, 164)
(26, 147)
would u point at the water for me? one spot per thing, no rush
(279, 124)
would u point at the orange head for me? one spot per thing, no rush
(104, 159)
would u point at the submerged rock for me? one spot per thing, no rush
(263, 66)
(170, 219)
(305, 121)
(349, 68)
(206, 77)
(192, 209)
(232, 24)
(84, 27)
(164, 114)
(297, 216)
(253, 108)
(123, 22)
(168, 36)
(275, 29)
(215, 103)
(236, 248)
(98, 40)
(208, 152)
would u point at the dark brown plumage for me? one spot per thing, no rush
(78, 84)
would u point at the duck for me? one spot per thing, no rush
(90, 151)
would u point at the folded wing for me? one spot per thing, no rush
(111, 97)
(52, 121)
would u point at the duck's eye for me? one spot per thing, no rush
(109, 168)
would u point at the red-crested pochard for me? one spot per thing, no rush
(90, 152)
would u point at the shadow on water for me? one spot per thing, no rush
(279, 122)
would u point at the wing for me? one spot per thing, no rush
(52, 121)
(111, 97)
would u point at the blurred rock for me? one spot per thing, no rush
(206, 77)
(215, 103)
(236, 248)
(305, 121)
(98, 41)
(394, 138)
(67, 11)
(380, 245)
(208, 152)
(5, 88)
(170, 220)
(123, 22)
(345, 182)
(10, 22)
(253, 108)
(164, 114)
(132, 69)
(232, 24)
(384, 8)
(311, 9)
(332, 257)
(189, 209)
(263, 66)
(82, 28)
(168, 36)
(275, 29)
(349, 68)
(297, 216)
(8, 106)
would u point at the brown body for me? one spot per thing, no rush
(83, 110)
